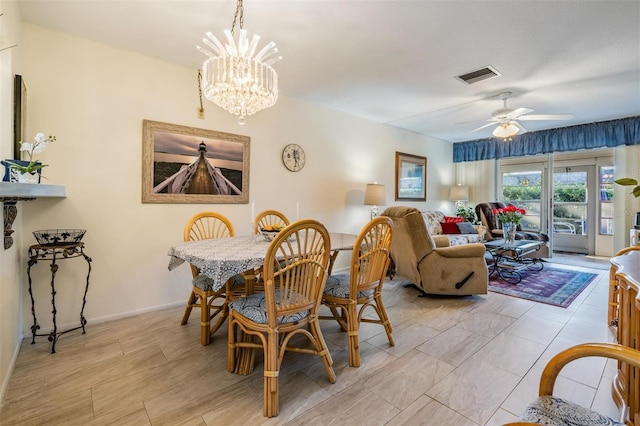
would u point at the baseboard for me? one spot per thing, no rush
(7, 378)
(107, 318)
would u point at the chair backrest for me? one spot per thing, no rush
(207, 226)
(297, 260)
(269, 218)
(485, 214)
(371, 255)
(411, 241)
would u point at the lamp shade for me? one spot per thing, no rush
(374, 195)
(459, 193)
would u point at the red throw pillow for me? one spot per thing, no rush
(450, 228)
(453, 219)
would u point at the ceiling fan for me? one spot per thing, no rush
(508, 119)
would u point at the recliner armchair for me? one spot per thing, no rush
(457, 270)
(484, 211)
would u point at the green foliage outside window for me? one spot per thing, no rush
(517, 193)
(562, 194)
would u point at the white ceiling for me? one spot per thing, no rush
(394, 62)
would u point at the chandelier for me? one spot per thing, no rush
(234, 77)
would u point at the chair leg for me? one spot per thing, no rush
(190, 304)
(271, 375)
(382, 313)
(340, 314)
(223, 313)
(352, 335)
(231, 345)
(323, 350)
(205, 321)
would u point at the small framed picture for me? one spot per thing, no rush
(182, 164)
(411, 177)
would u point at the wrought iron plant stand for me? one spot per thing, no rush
(54, 253)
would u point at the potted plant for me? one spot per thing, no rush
(28, 171)
(467, 213)
(630, 182)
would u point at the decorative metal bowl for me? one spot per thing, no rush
(59, 237)
(269, 235)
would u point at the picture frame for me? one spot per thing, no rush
(182, 164)
(411, 177)
(19, 114)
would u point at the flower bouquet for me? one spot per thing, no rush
(509, 214)
(509, 217)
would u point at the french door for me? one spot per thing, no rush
(572, 202)
(574, 209)
(524, 186)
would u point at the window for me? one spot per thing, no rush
(524, 189)
(570, 201)
(606, 200)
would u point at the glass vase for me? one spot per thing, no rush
(509, 233)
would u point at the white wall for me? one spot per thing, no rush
(93, 98)
(627, 162)
(11, 269)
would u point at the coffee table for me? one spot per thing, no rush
(508, 260)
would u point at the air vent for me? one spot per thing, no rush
(479, 75)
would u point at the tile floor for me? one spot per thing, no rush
(457, 361)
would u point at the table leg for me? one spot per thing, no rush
(53, 336)
(83, 320)
(332, 260)
(35, 327)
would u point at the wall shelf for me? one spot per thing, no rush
(11, 193)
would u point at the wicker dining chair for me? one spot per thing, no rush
(551, 410)
(269, 218)
(263, 220)
(362, 285)
(205, 226)
(295, 273)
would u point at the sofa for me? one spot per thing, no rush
(446, 231)
(484, 211)
(455, 270)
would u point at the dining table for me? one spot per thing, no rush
(222, 258)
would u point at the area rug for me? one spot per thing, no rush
(553, 286)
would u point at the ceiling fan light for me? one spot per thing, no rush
(506, 130)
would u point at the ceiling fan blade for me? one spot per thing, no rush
(478, 121)
(519, 112)
(546, 117)
(520, 126)
(493, 122)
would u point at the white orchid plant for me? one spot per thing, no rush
(39, 144)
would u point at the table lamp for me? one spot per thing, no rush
(374, 197)
(459, 194)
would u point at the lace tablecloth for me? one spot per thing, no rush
(222, 258)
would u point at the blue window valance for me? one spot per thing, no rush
(604, 134)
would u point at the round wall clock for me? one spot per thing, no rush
(293, 157)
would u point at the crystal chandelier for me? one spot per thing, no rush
(233, 77)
